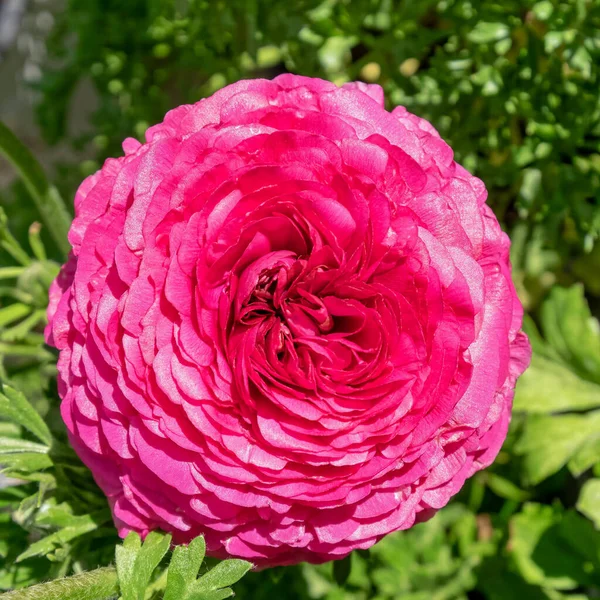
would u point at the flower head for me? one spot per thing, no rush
(287, 323)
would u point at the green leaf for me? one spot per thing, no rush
(79, 526)
(550, 386)
(61, 515)
(15, 446)
(224, 574)
(13, 312)
(497, 581)
(505, 488)
(214, 585)
(153, 550)
(28, 507)
(15, 407)
(549, 442)
(558, 379)
(100, 584)
(342, 569)
(10, 272)
(543, 10)
(11, 430)
(22, 463)
(46, 197)
(589, 501)
(183, 568)
(11, 495)
(136, 562)
(125, 556)
(214, 595)
(587, 456)
(563, 376)
(571, 330)
(484, 33)
(553, 549)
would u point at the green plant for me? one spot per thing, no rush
(54, 520)
(513, 86)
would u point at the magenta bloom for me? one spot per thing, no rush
(287, 323)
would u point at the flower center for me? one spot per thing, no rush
(306, 322)
(264, 300)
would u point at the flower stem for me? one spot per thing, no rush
(99, 584)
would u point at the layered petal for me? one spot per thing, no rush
(287, 323)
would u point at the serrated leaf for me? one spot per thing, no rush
(79, 526)
(214, 595)
(589, 501)
(224, 574)
(549, 442)
(136, 562)
(183, 568)
(23, 463)
(61, 515)
(125, 555)
(153, 549)
(571, 331)
(564, 374)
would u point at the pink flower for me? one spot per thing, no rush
(287, 323)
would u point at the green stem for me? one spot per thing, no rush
(13, 292)
(35, 242)
(46, 197)
(100, 584)
(14, 249)
(10, 272)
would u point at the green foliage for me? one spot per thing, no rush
(342, 569)
(54, 521)
(14, 407)
(561, 389)
(589, 501)
(555, 549)
(137, 563)
(513, 86)
(539, 552)
(53, 518)
(46, 197)
(184, 568)
(141, 573)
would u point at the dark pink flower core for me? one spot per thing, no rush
(287, 323)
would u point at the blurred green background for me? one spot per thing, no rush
(513, 86)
